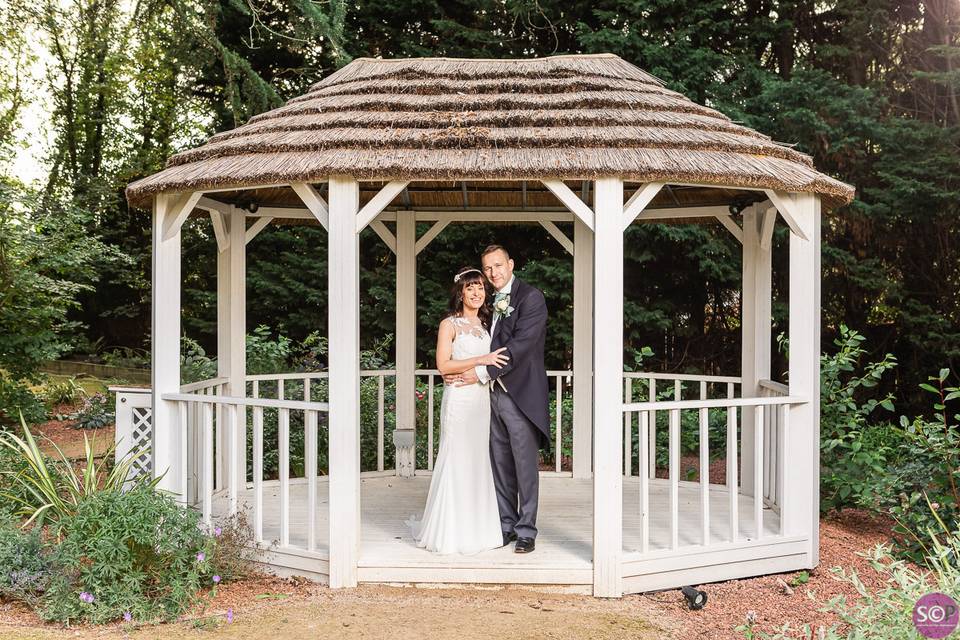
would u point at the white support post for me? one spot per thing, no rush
(344, 327)
(582, 350)
(607, 389)
(802, 438)
(231, 344)
(406, 349)
(755, 333)
(165, 346)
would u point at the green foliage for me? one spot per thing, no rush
(46, 490)
(195, 364)
(97, 412)
(920, 488)
(16, 400)
(884, 613)
(25, 566)
(66, 391)
(266, 354)
(136, 551)
(853, 453)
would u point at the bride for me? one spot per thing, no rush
(461, 514)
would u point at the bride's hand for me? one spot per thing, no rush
(495, 358)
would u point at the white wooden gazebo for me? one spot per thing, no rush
(583, 146)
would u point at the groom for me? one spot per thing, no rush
(519, 421)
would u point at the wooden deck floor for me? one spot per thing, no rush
(564, 523)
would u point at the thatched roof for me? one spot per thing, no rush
(573, 117)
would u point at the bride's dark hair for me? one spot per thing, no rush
(470, 275)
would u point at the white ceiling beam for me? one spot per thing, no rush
(431, 233)
(570, 201)
(558, 235)
(378, 202)
(212, 205)
(732, 226)
(220, 230)
(639, 201)
(180, 211)
(316, 204)
(381, 230)
(686, 212)
(787, 205)
(258, 225)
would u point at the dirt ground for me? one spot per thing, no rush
(268, 607)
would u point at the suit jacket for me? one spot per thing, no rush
(523, 333)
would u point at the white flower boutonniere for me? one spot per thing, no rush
(502, 306)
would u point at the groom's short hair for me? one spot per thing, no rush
(494, 247)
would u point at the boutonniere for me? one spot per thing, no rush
(502, 306)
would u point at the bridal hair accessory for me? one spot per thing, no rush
(457, 277)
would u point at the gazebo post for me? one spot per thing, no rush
(344, 406)
(802, 432)
(165, 345)
(755, 328)
(231, 344)
(404, 437)
(582, 350)
(608, 389)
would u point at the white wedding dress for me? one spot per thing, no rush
(461, 513)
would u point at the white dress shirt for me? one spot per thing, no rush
(481, 370)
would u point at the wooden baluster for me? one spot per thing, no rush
(310, 466)
(758, 419)
(674, 479)
(283, 437)
(559, 413)
(644, 478)
(652, 449)
(380, 422)
(257, 467)
(705, 474)
(627, 429)
(732, 485)
(207, 463)
(430, 422)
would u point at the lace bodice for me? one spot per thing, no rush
(471, 340)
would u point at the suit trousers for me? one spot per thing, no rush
(515, 457)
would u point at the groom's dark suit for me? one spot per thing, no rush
(520, 422)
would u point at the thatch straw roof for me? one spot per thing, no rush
(573, 117)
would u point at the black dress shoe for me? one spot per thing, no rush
(508, 538)
(524, 545)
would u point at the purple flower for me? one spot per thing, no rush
(217, 531)
(230, 614)
(216, 579)
(127, 617)
(86, 597)
(201, 556)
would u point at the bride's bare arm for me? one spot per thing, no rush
(445, 362)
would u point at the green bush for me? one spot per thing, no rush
(43, 489)
(25, 564)
(66, 391)
(17, 399)
(97, 412)
(920, 487)
(853, 452)
(136, 551)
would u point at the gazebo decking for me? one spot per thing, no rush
(564, 545)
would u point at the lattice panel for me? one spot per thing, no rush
(141, 436)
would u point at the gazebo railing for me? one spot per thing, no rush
(771, 415)
(773, 445)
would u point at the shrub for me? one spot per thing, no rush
(17, 399)
(51, 490)
(97, 412)
(195, 364)
(136, 551)
(66, 391)
(25, 564)
(853, 453)
(920, 489)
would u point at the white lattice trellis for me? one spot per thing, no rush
(134, 428)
